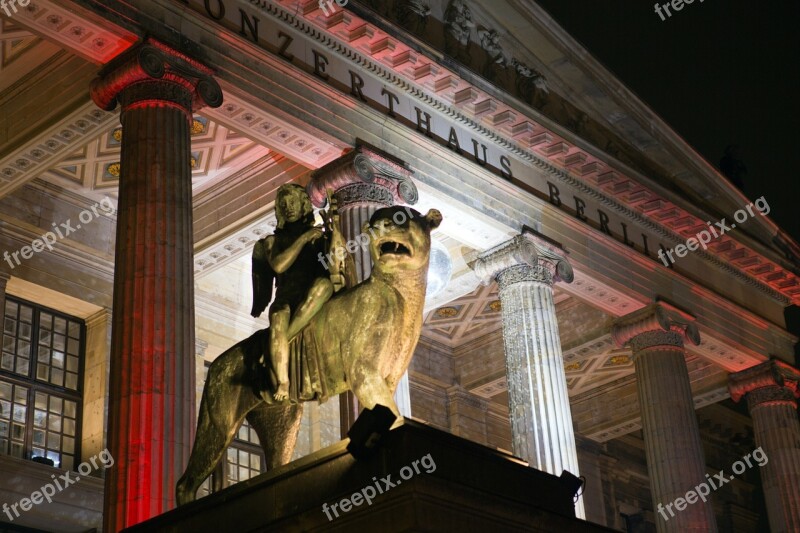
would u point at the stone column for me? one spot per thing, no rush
(541, 422)
(152, 391)
(362, 182)
(772, 389)
(674, 452)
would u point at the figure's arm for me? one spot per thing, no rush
(281, 260)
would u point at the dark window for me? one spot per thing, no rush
(244, 459)
(41, 376)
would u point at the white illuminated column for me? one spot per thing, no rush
(672, 443)
(525, 269)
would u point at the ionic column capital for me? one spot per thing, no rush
(526, 257)
(771, 380)
(365, 175)
(154, 72)
(658, 324)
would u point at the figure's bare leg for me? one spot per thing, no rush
(279, 350)
(225, 402)
(277, 427)
(320, 292)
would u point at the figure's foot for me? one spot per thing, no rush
(283, 392)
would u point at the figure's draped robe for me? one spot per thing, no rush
(306, 367)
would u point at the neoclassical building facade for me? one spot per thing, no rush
(602, 300)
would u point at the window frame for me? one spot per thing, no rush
(34, 384)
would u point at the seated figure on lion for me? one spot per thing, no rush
(332, 335)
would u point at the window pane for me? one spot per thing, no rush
(59, 342)
(24, 348)
(71, 381)
(57, 377)
(60, 325)
(25, 331)
(10, 326)
(23, 366)
(38, 437)
(40, 401)
(69, 408)
(7, 362)
(54, 422)
(42, 372)
(26, 313)
(56, 457)
(73, 345)
(46, 321)
(17, 450)
(39, 418)
(11, 308)
(56, 404)
(45, 337)
(5, 391)
(57, 359)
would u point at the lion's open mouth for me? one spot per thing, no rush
(393, 247)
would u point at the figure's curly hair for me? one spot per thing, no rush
(300, 192)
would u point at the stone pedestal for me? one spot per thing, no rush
(362, 182)
(423, 480)
(674, 451)
(541, 422)
(152, 393)
(772, 389)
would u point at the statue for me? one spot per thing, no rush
(302, 285)
(362, 339)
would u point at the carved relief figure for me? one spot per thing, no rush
(528, 79)
(362, 339)
(413, 15)
(490, 42)
(458, 26)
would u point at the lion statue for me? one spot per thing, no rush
(362, 340)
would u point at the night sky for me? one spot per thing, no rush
(718, 72)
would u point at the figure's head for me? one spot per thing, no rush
(401, 238)
(293, 204)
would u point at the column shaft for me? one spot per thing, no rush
(541, 420)
(671, 437)
(152, 374)
(777, 432)
(538, 401)
(152, 393)
(672, 442)
(772, 389)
